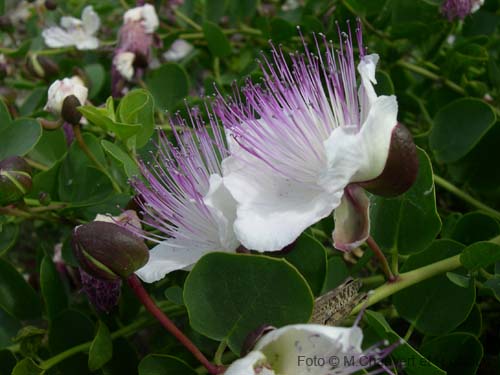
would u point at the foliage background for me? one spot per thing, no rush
(446, 76)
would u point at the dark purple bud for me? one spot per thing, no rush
(103, 294)
(70, 112)
(401, 167)
(253, 337)
(15, 179)
(108, 251)
(51, 4)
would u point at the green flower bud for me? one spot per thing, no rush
(401, 167)
(69, 110)
(15, 179)
(108, 251)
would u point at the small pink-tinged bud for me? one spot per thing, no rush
(108, 251)
(401, 167)
(15, 179)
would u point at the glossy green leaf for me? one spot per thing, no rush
(9, 326)
(130, 166)
(414, 362)
(168, 84)
(457, 353)
(97, 77)
(101, 349)
(309, 256)
(137, 108)
(473, 227)
(79, 181)
(19, 137)
(437, 305)
(53, 289)
(218, 44)
(458, 127)
(160, 364)
(480, 254)
(50, 148)
(409, 222)
(101, 117)
(230, 295)
(27, 367)
(337, 272)
(16, 296)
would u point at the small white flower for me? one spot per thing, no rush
(311, 349)
(178, 50)
(124, 63)
(75, 32)
(61, 89)
(145, 14)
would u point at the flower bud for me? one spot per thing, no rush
(50, 4)
(401, 167)
(70, 112)
(61, 89)
(108, 251)
(15, 179)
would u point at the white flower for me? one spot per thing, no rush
(124, 63)
(183, 196)
(300, 138)
(61, 89)
(145, 14)
(178, 50)
(75, 32)
(311, 349)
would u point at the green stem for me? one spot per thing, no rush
(188, 20)
(220, 352)
(125, 331)
(36, 164)
(464, 196)
(433, 76)
(408, 279)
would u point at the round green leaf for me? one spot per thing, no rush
(137, 107)
(218, 44)
(97, 77)
(230, 295)
(19, 137)
(414, 362)
(309, 256)
(473, 324)
(101, 349)
(474, 227)
(9, 326)
(458, 127)
(436, 306)
(168, 84)
(50, 148)
(160, 364)
(409, 222)
(16, 296)
(457, 353)
(337, 272)
(480, 254)
(129, 165)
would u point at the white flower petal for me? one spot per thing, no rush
(366, 93)
(145, 14)
(254, 363)
(86, 43)
(178, 50)
(223, 208)
(55, 37)
(60, 89)
(375, 137)
(167, 257)
(352, 219)
(124, 63)
(285, 347)
(272, 211)
(90, 19)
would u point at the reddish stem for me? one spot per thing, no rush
(150, 305)
(381, 258)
